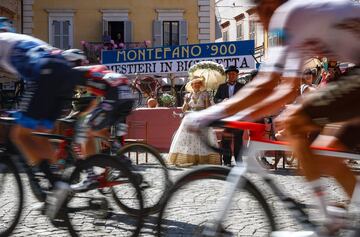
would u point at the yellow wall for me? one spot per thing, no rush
(88, 18)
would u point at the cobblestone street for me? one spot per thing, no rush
(193, 206)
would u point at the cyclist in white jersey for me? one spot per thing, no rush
(305, 28)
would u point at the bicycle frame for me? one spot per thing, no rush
(256, 144)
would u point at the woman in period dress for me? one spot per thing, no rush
(187, 148)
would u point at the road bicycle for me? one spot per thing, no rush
(249, 214)
(144, 160)
(95, 207)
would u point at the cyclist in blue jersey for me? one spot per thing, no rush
(49, 80)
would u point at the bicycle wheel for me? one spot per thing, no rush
(11, 196)
(150, 164)
(90, 212)
(191, 204)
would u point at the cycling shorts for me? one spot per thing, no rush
(349, 133)
(337, 102)
(44, 96)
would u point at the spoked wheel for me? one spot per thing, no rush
(148, 162)
(11, 196)
(194, 200)
(91, 212)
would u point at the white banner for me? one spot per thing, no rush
(243, 63)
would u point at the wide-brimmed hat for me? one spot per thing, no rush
(232, 68)
(188, 86)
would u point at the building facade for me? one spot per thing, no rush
(66, 23)
(12, 10)
(239, 21)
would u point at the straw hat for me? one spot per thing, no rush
(188, 86)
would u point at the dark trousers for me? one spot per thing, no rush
(235, 137)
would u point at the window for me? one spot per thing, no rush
(169, 28)
(225, 35)
(61, 28)
(61, 34)
(170, 33)
(252, 30)
(239, 32)
(117, 25)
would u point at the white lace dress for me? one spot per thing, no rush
(187, 148)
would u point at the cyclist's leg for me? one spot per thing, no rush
(316, 111)
(92, 146)
(34, 148)
(39, 109)
(40, 106)
(297, 128)
(335, 167)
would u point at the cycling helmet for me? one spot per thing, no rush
(6, 25)
(74, 55)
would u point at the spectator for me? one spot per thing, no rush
(307, 82)
(187, 148)
(119, 42)
(151, 103)
(224, 92)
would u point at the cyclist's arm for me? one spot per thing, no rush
(283, 94)
(287, 90)
(262, 86)
(251, 94)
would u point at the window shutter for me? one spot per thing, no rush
(183, 33)
(105, 27)
(56, 33)
(157, 36)
(128, 32)
(66, 35)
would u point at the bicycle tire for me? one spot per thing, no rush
(160, 167)
(36, 187)
(10, 168)
(105, 161)
(217, 173)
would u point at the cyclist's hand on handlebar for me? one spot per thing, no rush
(281, 119)
(195, 121)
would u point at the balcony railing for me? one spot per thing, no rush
(93, 49)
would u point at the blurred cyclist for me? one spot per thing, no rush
(76, 57)
(49, 79)
(305, 28)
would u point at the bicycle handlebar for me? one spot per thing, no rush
(256, 128)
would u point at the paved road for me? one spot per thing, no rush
(193, 206)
